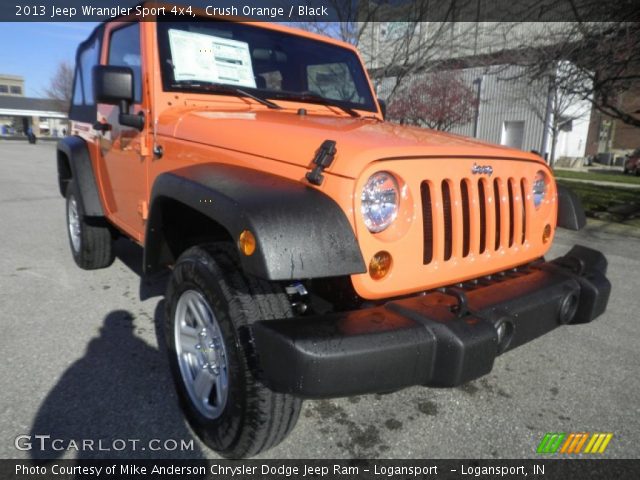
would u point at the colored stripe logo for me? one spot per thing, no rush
(569, 443)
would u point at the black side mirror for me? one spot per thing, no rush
(383, 107)
(114, 86)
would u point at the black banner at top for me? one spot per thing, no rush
(325, 10)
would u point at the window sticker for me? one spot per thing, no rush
(208, 58)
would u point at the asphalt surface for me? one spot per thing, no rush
(80, 358)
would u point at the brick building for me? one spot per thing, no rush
(607, 135)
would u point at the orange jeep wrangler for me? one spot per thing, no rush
(315, 250)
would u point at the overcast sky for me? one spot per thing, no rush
(33, 50)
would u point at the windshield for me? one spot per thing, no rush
(267, 63)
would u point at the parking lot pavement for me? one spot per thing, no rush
(80, 357)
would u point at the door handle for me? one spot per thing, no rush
(102, 127)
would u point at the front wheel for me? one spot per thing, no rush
(210, 304)
(90, 239)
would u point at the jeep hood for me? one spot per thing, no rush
(294, 139)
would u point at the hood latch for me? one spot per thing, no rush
(324, 158)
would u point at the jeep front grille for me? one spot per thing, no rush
(471, 216)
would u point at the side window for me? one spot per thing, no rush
(78, 96)
(83, 87)
(124, 51)
(332, 80)
(269, 80)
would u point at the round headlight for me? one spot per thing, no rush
(539, 188)
(379, 201)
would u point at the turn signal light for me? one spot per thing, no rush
(247, 243)
(380, 265)
(546, 233)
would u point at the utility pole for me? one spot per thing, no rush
(547, 118)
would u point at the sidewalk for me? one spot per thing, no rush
(595, 225)
(22, 138)
(602, 183)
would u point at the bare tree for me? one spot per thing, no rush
(548, 99)
(438, 100)
(345, 27)
(603, 63)
(399, 40)
(600, 38)
(60, 86)
(565, 107)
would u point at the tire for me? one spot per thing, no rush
(230, 410)
(90, 239)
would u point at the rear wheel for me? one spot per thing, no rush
(210, 304)
(90, 238)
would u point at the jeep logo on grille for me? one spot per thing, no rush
(482, 169)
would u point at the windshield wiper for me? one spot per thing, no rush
(223, 88)
(315, 98)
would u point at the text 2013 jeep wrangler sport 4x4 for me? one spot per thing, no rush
(315, 250)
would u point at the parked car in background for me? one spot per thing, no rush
(632, 162)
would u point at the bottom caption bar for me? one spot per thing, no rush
(317, 469)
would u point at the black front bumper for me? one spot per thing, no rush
(443, 339)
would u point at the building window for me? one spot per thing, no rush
(16, 90)
(4, 89)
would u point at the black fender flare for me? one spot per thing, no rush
(570, 212)
(300, 232)
(77, 152)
